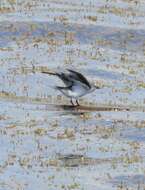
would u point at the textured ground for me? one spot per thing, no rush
(44, 142)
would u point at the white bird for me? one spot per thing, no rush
(76, 85)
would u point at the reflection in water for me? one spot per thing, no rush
(82, 109)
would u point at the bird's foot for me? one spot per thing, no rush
(77, 103)
(71, 101)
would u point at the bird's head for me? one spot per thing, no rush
(96, 87)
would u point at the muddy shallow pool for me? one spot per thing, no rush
(45, 143)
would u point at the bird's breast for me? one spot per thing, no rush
(77, 91)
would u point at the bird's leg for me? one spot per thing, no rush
(77, 102)
(72, 102)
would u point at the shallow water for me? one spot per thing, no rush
(45, 143)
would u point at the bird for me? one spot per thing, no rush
(76, 84)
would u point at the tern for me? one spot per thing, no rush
(76, 85)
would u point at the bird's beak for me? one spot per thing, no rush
(97, 87)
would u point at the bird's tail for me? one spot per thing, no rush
(60, 87)
(49, 72)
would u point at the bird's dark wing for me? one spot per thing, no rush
(78, 76)
(65, 78)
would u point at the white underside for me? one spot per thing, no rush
(76, 91)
